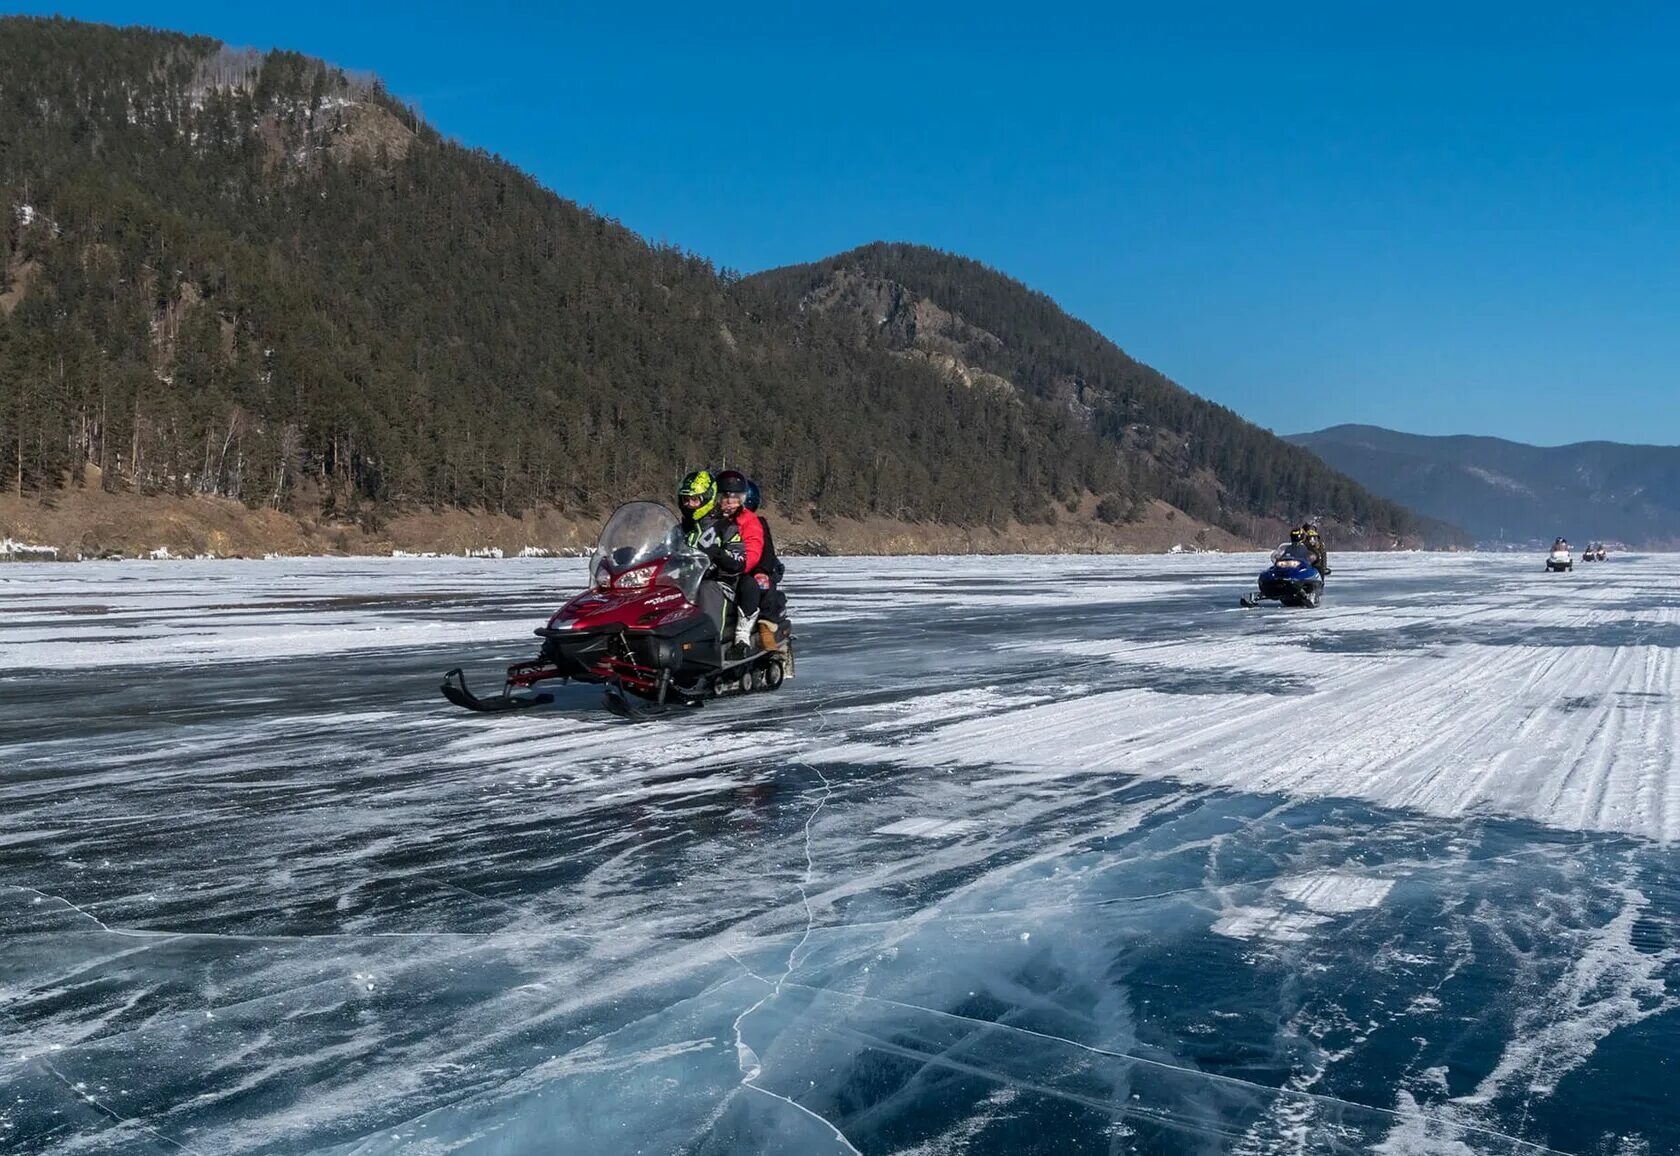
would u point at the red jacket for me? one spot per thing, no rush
(752, 535)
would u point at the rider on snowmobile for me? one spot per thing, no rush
(706, 530)
(756, 598)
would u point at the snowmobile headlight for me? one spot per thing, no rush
(635, 579)
(1287, 564)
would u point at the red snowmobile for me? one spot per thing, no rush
(650, 627)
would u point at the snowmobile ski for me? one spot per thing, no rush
(621, 705)
(455, 690)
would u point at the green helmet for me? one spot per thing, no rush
(697, 495)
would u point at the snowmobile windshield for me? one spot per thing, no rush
(638, 535)
(1295, 553)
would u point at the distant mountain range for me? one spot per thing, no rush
(1507, 492)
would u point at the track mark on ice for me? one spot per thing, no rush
(928, 828)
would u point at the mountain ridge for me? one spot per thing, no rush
(1512, 493)
(250, 275)
(991, 329)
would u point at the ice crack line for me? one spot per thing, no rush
(95, 1102)
(1301, 1095)
(745, 1058)
(84, 911)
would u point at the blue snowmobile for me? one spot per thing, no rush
(1293, 578)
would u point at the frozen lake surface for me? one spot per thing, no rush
(1033, 855)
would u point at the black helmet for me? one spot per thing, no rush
(697, 495)
(736, 484)
(1297, 534)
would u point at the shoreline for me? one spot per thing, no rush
(89, 523)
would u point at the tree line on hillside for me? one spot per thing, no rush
(206, 295)
(1193, 453)
(255, 276)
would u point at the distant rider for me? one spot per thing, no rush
(1310, 539)
(756, 598)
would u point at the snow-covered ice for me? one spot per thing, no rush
(1034, 855)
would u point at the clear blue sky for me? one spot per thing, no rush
(1442, 218)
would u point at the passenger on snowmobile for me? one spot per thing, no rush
(756, 598)
(772, 561)
(1298, 537)
(1310, 539)
(707, 530)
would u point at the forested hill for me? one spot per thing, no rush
(993, 332)
(255, 276)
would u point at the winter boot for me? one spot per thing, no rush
(767, 635)
(743, 633)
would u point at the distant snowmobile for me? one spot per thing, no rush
(1293, 578)
(1560, 558)
(651, 627)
